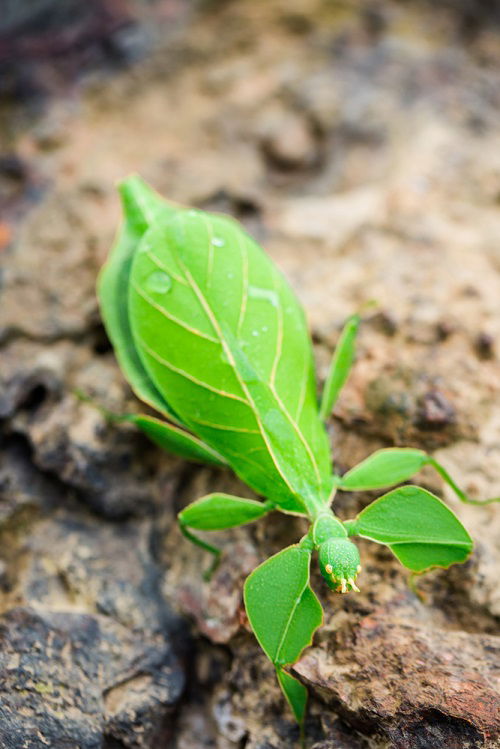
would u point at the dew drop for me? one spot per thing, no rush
(264, 328)
(267, 295)
(255, 333)
(159, 282)
(218, 242)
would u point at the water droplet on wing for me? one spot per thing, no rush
(218, 242)
(159, 282)
(254, 292)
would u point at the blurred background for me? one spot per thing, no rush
(359, 142)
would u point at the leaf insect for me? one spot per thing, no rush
(210, 335)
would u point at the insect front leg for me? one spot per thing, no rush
(217, 512)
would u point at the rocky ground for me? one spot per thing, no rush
(360, 142)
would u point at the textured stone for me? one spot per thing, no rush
(68, 680)
(424, 686)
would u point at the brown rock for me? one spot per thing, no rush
(424, 686)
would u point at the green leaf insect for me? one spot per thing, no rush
(210, 335)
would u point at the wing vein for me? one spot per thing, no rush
(172, 318)
(302, 394)
(297, 603)
(189, 376)
(224, 427)
(164, 268)
(272, 384)
(300, 436)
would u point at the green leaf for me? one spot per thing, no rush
(384, 468)
(340, 366)
(176, 440)
(218, 511)
(418, 528)
(142, 206)
(224, 340)
(281, 607)
(295, 693)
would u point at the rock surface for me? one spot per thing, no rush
(360, 142)
(425, 687)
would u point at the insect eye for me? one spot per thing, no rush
(339, 563)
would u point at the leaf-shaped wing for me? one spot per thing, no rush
(418, 528)
(224, 340)
(141, 207)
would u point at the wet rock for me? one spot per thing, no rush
(424, 686)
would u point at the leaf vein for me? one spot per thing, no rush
(225, 427)
(156, 260)
(189, 376)
(172, 318)
(297, 603)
